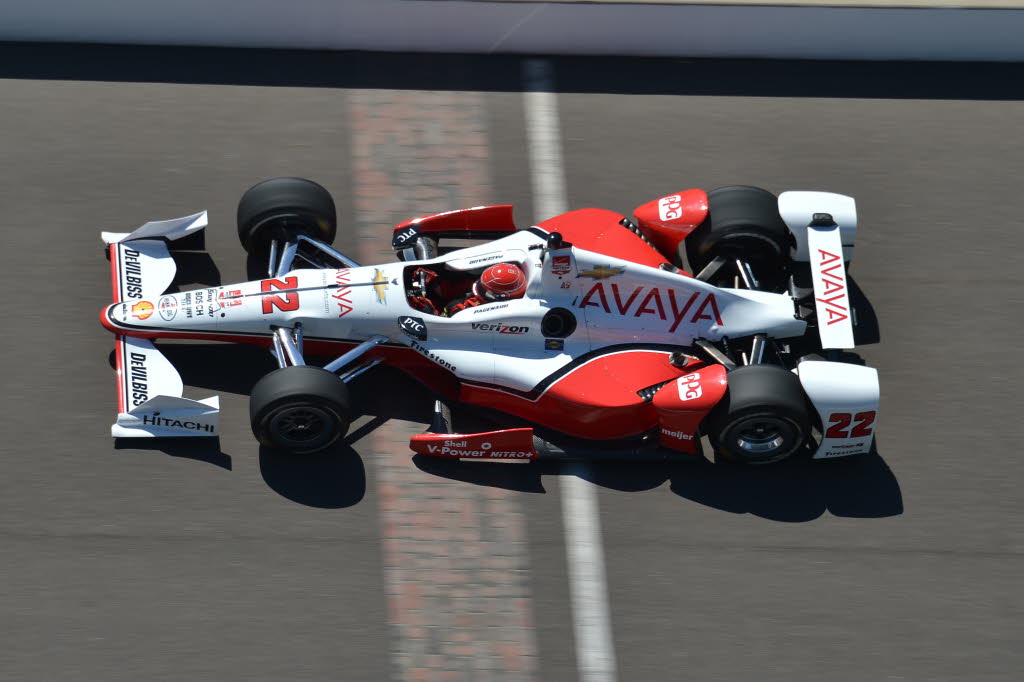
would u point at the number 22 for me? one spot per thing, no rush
(841, 420)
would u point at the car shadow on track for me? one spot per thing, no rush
(206, 450)
(862, 487)
(329, 480)
(859, 487)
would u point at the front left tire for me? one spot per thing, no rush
(283, 208)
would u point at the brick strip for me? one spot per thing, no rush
(455, 554)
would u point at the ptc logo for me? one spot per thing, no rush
(404, 236)
(413, 327)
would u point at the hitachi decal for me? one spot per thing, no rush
(132, 275)
(137, 379)
(422, 350)
(176, 423)
(655, 302)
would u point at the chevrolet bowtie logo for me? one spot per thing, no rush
(601, 272)
(380, 283)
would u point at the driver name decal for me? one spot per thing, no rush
(664, 303)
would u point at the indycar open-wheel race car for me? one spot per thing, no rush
(607, 349)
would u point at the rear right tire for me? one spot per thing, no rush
(763, 417)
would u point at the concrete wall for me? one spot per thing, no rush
(660, 29)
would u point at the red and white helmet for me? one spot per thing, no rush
(500, 282)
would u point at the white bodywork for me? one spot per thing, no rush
(168, 229)
(831, 288)
(616, 302)
(149, 388)
(846, 399)
(153, 405)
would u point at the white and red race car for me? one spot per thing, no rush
(613, 350)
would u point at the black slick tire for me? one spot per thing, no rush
(300, 409)
(282, 209)
(763, 417)
(742, 222)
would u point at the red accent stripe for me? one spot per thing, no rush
(119, 364)
(115, 285)
(115, 281)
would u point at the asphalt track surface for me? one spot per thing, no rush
(227, 563)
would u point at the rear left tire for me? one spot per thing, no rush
(743, 222)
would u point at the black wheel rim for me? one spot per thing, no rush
(302, 427)
(764, 438)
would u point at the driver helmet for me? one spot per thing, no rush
(500, 282)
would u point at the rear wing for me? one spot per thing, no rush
(149, 400)
(824, 226)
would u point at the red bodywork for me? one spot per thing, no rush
(480, 222)
(506, 444)
(682, 405)
(598, 230)
(669, 220)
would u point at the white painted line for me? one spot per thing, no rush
(595, 651)
(546, 169)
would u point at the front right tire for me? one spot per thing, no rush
(300, 409)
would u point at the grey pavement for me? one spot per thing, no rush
(226, 563)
